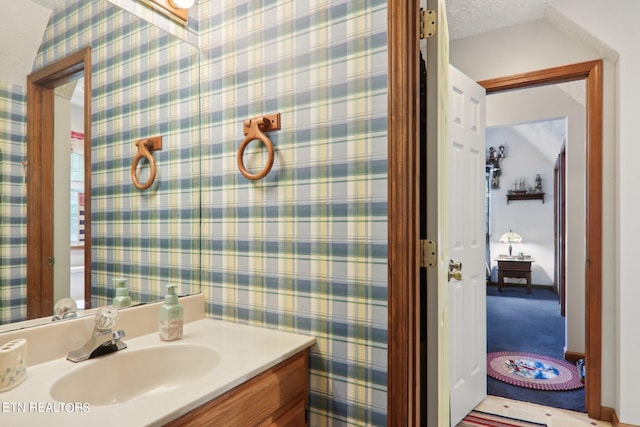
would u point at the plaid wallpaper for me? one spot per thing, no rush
(13, 196)
(304, 249)
(145, 83)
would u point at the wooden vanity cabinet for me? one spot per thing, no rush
(275, 398)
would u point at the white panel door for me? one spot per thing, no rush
(467, 297)
(436, 219)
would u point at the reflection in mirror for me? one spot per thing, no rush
(144, 82)
(49, 183)
(69, 200)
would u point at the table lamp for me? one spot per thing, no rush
(510, 238)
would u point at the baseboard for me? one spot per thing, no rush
(609, 414)
(573, 356)
(521, 285)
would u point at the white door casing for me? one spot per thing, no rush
(467, 297)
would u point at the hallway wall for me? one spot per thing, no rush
(543, 103)
(531, 219)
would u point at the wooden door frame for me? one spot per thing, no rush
(40, 124)
(403, 386)
(403, 126)
(591, 73)
(559, 227)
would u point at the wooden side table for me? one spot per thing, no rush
(516, 269)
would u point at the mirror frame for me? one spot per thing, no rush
(40, 230)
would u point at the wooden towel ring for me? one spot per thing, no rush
(255, 128)
(145, 146)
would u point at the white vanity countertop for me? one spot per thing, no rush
(243, 351)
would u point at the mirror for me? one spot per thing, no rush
(144, 82)
(49, 151)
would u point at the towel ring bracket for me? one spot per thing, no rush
(145, 147)
(270, 122)
(255, 129)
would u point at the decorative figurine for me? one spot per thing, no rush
(493, 159)
(538, 187)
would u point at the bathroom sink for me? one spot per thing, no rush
(130, 374)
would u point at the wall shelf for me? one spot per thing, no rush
(525, 196)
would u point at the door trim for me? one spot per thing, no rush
(40, 122)
(591, 72)
(559, 230)
(403, 387)
(403, 125)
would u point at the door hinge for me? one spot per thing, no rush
(51, 260)
(427, 23)
(428, 254)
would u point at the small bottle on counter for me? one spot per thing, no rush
(122, 298)
(171, 316)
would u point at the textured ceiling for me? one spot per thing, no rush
(49, 4)
(470, 17)
(21, 32)
(24, 23)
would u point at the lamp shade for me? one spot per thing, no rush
(511, 237)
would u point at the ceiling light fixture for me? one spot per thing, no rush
(173, 9)
(182, 4)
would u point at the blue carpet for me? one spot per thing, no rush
(517, 321)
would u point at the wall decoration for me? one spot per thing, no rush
(522, 191)
(493, 163)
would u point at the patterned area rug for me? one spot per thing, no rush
(482, 419)
(533, 371)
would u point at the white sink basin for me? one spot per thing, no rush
(130, 374)
(151, 382)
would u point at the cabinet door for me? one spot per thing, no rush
(294, 417)
(265, 400)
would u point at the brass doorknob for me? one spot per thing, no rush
(455, 274)
(455, 270)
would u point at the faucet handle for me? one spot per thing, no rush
(106, 318)
(65, 308)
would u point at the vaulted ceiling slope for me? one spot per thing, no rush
(470, 17)
(23, 25)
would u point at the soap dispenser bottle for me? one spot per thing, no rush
(171, 316)
(122, 298)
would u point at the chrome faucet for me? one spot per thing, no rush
(65, 308)
(103, 340)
